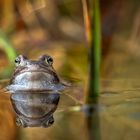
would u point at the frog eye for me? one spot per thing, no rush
(46, 58)
(17, 61)
(20, 60)
(49, 60)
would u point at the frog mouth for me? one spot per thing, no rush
(35, 75)
(31, 76)
(35, 71)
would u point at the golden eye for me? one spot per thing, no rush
(49, 60)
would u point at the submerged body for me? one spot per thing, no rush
(34, 90)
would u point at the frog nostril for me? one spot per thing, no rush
(32, 65)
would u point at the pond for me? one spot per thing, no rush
(116, 116)
(34, 30)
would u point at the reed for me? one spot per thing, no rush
(91, 10)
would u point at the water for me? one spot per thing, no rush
(116, 116)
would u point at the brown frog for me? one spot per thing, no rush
(34, 90)
(34, 75)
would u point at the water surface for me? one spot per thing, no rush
(116, 116)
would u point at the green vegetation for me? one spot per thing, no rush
(7, 47)
(94, 42)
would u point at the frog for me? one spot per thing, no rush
(34, 89)
(34, 75)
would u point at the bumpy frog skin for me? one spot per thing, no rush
(34, 90)
(34, 75)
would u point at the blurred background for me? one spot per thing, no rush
(56, 27)
(33, 27)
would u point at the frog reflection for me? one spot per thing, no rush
(35, 109)
(34, 90)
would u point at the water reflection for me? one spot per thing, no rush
(34, 109)
(92, 121)
(115, 116)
